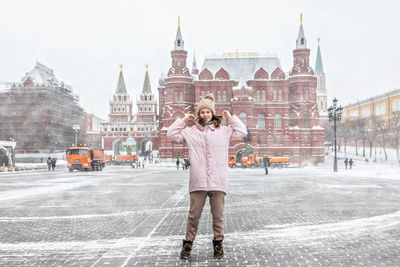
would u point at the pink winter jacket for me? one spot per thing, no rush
(208, 151)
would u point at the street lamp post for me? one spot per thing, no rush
(335, 115)
(76, 127)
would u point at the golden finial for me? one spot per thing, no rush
(179, 21)
(121, 66)
(146, 66)
(301, 18)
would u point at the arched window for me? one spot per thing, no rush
(258, 96)
(202, 94)
(261, 122)
(243, 118)
(277, 122)
(302, 41)
(219, 96)
(280, 95)
(263, 95)
(181, 97)
(176, 97)
(306, 95)
(305, 121)
(274, 98)
(178, 117)
(395, 105)
(224, 96)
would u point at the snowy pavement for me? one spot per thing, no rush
(137, 217)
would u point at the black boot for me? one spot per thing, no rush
(186, 249)
(218, 249)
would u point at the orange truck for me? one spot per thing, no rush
(252, 161)
(85, 159)
(125, 159)
(232, 161)
(278, 162)
(107, 159)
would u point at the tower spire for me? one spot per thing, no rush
(178, 44)
(121, 89)
(319, 69)
(146, 84)
(301, 42)
(195, 70)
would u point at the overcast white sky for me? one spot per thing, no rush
(85, 41)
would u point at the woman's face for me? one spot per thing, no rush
(205, 114)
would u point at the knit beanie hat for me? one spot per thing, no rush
(207, 102)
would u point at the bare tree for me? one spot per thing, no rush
(360, 131)
(371, 133)
(395, 119)
(382, 131)
(344, 133)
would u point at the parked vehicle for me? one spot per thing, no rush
(232, 161)
(107, 159)
(278, 162)
(252, 161)
(129, 160)
(85, 159)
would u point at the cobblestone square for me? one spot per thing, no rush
(137, 217)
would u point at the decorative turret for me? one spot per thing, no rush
(121, 89)
(178, 56)
(178, 40)
(195, 70)
(322, 92)
(319, 69)
(146, 84)
(301, 55)
(301, 42)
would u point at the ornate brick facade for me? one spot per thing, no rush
(280, 110)
(142, 129)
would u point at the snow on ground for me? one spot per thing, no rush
(124, 216)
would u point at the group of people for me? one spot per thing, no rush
(51, 163)
(348, 162)
(185, 163)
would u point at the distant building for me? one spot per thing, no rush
(93, 131)
(381, 107)
(125, 133)
(279, 109)
(38, 113)
(322, 92)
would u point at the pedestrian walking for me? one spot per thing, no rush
(346, 161)
(183, 164)
(351, 163)
(208, 144)
(53, 164)
(177, 164)
(266, 164)
(49, 161)
(187, 163)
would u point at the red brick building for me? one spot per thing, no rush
(279, 109)
(141, 129)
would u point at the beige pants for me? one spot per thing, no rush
(197, 201)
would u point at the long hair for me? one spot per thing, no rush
(217, 120)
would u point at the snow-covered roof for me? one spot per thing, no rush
(241, 67)
(43, 75)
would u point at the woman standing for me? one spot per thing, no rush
(208, 144)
